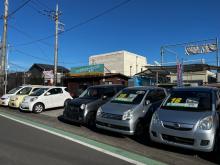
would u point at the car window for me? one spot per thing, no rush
(14, 90)
(218, 100)
(189, 101)
(35, 89)
(55, 91)
(109, 92)
(129, 96)
(24, 91)
(39, 92)
(152, 96)
(161, 94)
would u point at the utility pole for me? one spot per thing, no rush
(59, 27)
(4, 45)
(56, 44)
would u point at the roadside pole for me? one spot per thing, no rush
(4, 47)
(56, 44)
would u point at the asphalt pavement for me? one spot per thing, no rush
(162, 153)
(24, 145)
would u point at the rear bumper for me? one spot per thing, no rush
(200, 140)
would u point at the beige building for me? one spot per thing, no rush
(194, 77)
(123, 62)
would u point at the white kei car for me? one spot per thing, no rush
(45, 98)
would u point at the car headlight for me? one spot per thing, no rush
(5, 98)
(83, 106)
(127, 115)
(155, 118)
(206, 123)
(99, 112)
(32, 99)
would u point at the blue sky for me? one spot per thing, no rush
(140, 26)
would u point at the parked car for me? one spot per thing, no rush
(189, 118)
(5, 98)
(45, 98)
(130, 111)
(16, 100)
(84, 108)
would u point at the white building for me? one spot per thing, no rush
(123, 62)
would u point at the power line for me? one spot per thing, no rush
(80, 24)
(41, 4)
(27, 35)
(30, 55)
(19, 8)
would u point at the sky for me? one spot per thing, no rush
(139, 26)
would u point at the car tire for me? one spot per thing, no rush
(217, 143)
(139, 130)
(91, 120)
(38, 108)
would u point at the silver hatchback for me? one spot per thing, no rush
(188, 118)
(130, 111)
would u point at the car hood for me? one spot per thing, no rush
(181, 116)
(7, 96)
(116, 108)
(27, 98)
(80, 101)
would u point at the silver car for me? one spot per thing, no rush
(130, 110)
(188, 118)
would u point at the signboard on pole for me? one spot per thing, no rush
(201, 49)
(90, 69)
(179, 74)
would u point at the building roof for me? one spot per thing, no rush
(107, 75)
(115, 53)
(47, 67)
(166, 70)
(200, 88)
(143, 87)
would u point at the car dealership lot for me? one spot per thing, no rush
(166, 154)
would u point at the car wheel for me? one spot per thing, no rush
(139, 130)
(38, 108)
(91, 118)
(217, 143)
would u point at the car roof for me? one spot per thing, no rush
(143, 87)
(200, 88)
(106, 86)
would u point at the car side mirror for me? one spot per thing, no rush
(47, 94)
(147, 102)
(104, 97)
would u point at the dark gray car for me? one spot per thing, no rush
(189, 118)
(83, 109)
(130, 110)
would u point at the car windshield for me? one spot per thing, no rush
(24, 91)
(129, 96)
(188, 101)
(14, 90)
(91, 93)
(39, 92)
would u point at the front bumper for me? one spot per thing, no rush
(13, 104)
(25, 106)
(73, 114)
(4, 102)
(125, 127)
(200, 140)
